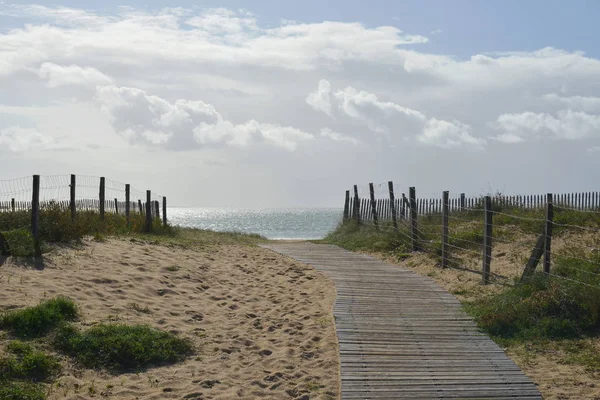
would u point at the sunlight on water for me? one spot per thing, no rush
(299, 223)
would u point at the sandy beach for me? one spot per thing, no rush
(261, 323)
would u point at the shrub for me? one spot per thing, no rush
(20, 242)
(121, 347)
(38, 320)
(21, 391)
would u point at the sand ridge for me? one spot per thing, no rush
(261, 323)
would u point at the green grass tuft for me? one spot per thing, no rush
(20, 242)
(353, 236)
(38, 320)
(121, 347)
(21, 391)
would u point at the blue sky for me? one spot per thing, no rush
(468, 26)
(294, 102)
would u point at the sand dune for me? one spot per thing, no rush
(261, 323)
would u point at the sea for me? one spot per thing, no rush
(277, 224)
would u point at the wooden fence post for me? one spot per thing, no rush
(128, 204)
(12, 204)
(445, 212)
(35, 215)
(72, 200)
(548, 232)
(140, 206)
(462, 202)
(346, 205)
(164, 211)
(116, 206)
(157, 209)
(413, 219)
(356, 204)
(405, 206)
(148, 211)
(487, 240)
(393, 205)
(373, 205)
(102, 198)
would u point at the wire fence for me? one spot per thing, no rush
(23, 200)
(503, 238)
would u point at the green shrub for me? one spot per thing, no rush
(21, 391)
(121, 347)
(544, 307)
(34, 366)
(38, 320)
(353, 236)
(20, 242)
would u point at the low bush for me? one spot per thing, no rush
(121, 347)
(38, 320)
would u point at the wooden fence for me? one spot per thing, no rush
(151, 209)
(381, 208)
(406, 210)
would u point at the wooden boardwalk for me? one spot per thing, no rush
(402, 336)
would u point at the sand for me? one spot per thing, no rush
(261, 324)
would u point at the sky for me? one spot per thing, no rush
(288, 104)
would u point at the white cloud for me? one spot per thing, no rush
(338, 137)
(180, 125)
(449, 135)
(57, 75)
(16, 139)
(320, 99)
(435, 32)
(582, 103)
(567, 125)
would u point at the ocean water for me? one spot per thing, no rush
(298, 223)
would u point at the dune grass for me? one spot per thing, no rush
(121, 347)
(37, 321)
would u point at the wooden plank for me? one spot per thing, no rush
(402, 336)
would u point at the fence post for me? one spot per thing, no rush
(12, 204)
(164, 211)
(445, 212)
(462, 202)
(35, 215)
(157, 208)
(127, 203)
(116, 206)
(548, 232)
(140, 206)
(393, 205)
(487, 240)
(102, 198)
(346, 205)
(356, 204)
(404, 206)
(413, 218)
(373, 205)
(72, 201)
(148, 211)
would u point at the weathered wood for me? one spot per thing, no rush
(548, 232)
(148, 226)
(157, 209)
(402, 336)
(35, 216)
(140, 206)
(116, 206)
(393, 205)
(416, 246)
(12, 204)
(356, 204)
(373, 206)
(346, 205)
(102, 197)
(535, 257)
(164, 215)
(445, 212)
(72, 203)
(128, 204)
(487, 239)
